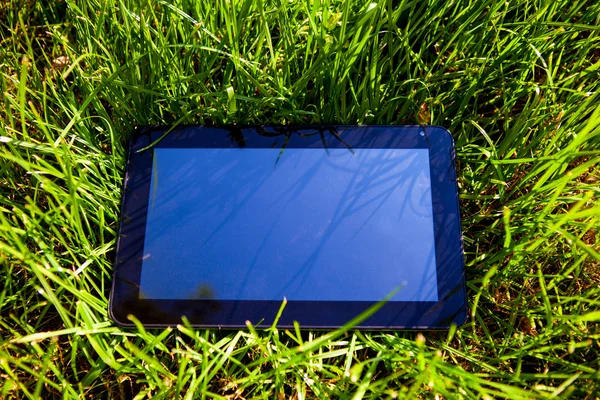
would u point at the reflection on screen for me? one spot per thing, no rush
(307, 224)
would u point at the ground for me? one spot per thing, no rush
(516, 82)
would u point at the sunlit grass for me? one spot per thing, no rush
(516, 82)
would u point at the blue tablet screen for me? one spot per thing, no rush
(305, 224)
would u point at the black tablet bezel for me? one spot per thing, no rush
(450, 309)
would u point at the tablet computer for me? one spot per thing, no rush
(220, 224)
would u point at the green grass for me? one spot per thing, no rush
(516, 82)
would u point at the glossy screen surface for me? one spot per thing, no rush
(305, 224)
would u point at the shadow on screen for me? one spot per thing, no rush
(368, 189)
